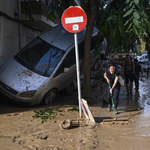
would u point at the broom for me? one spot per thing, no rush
(115, 119)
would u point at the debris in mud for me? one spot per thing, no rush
(43, 137)
(67, 124)
(15, 114)
(117, 123)
(30, 147)
(14, 139)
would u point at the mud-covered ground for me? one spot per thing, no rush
(20, 131)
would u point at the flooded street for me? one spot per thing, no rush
(19, 131)
(135, 134)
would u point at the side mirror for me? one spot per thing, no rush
(66, 69)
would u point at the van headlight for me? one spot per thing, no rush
(27, 94)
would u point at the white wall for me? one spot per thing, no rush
(10, 30)
(10, 39)
(28, 34)
(7, 6)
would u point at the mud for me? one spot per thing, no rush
(20, 131)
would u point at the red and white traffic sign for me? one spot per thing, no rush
(74, 19)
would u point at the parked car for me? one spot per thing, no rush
(44, 67)
(143, 58)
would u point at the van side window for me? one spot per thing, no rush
(67, 62)
(70, 59)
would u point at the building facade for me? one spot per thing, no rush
(16, 29)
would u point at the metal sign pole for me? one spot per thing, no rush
(78, 72)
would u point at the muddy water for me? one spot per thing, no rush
(19, 131)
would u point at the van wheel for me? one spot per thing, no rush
(69, 89)
(49, 97)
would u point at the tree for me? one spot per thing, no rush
(124, 22)
(145, 5)
(91, 17)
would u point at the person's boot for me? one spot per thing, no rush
(109, 107)
(116, 111)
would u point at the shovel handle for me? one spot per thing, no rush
(112, 101)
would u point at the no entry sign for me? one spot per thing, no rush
(74, 19)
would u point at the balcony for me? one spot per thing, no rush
(37, 11)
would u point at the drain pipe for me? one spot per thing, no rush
(20, 25)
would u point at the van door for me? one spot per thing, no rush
(65, 78)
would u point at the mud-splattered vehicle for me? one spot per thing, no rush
(44, 67)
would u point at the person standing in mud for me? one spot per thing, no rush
(128, 74)
(112, 76)
(138, 69)
(148, 67)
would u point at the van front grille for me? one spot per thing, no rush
(7, 88)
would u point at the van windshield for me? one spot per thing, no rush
(40, 57)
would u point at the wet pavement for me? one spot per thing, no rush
(135, 134)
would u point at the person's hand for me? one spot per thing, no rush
(111, 90)
(107, 80)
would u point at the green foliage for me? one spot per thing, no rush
(27, 7)
(128, 12)
(48, 113)
(136, 2)
(123, 28)
(136, 15)
(138, 23)
(57, 7)
(112, 26)
(73, 109)
(121, 22)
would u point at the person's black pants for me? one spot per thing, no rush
(115, 95)
(136, 79)
(148, 71)
(128, 78)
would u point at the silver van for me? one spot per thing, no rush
(44, 67)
